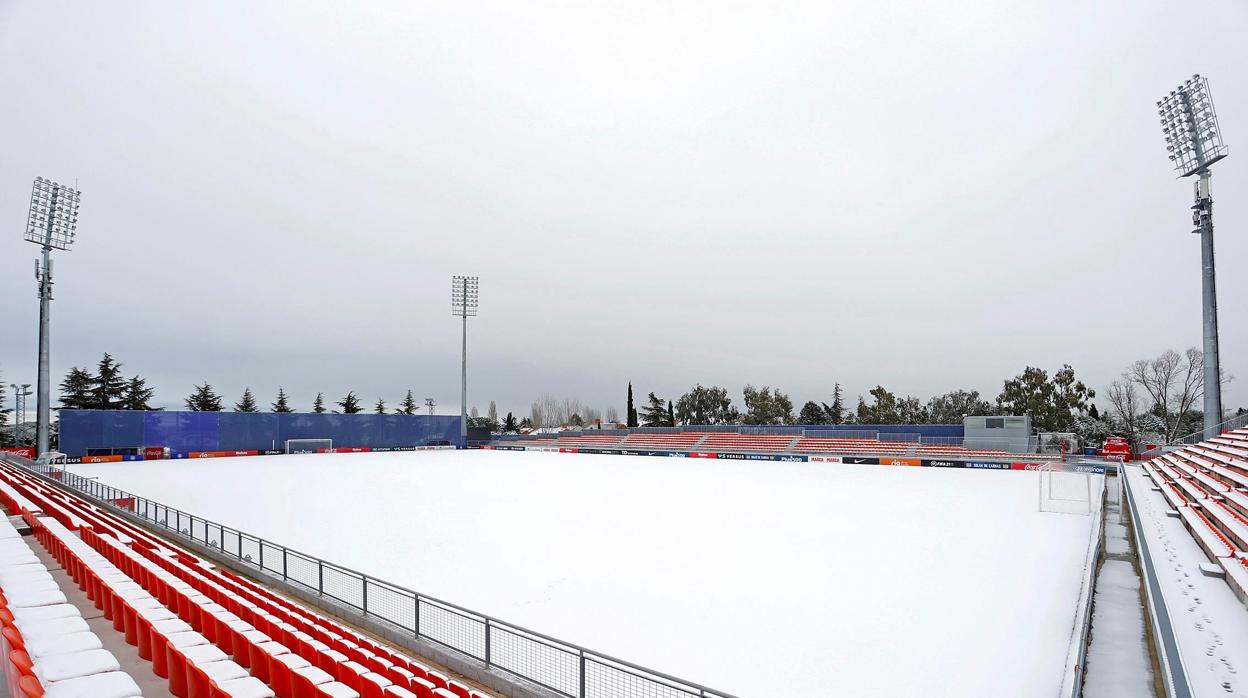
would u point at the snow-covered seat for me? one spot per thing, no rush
(116, 684)
(61, 667)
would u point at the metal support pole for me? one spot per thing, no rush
(463, 387)
(1209, 308)
(43, 410)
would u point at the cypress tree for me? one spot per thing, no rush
(632, 410)
(671, 416)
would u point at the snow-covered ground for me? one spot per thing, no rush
(756, 578)
(1209, 624)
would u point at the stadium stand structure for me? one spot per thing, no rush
(1207, 484)
(796, 442)
(208, 632)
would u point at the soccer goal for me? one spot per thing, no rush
(308, 445)
(1063, 492)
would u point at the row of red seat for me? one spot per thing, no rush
(1207, 484)
(284, 645)
(48, 648)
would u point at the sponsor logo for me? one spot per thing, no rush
(702, 454)
(1089, 469)
(22, 451)
(793, 459)
(824, 459)
(675, 454)
(858, 460)
(730, 456)
(944, 464)
(987, 465)
(900, 461)
(566, 450)
(1026, 466)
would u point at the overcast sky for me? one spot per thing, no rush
(924, 196)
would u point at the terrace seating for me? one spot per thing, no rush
(728, 441)
(48, 648)
(678, 441)
(190, 618)
(1206, 485)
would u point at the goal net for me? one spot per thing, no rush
(308, 445)
(1063, 492)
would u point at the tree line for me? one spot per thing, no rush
(106, 388)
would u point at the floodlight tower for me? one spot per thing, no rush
(464, 300)
(51, 224)
(1194, 142)
(20, 393)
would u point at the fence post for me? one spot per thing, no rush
(239, 536)
(364, 594)
(320, 576)
(487, 641)
(261, 555)
(581, 693)
(417, 624)
(283, 564)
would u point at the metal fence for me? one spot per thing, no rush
(1239, 421)
(562, 667)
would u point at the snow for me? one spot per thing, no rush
(755, 578)
(1210, 623)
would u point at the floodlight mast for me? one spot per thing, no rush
(1194, 142)
(51, 224)
(464, 300)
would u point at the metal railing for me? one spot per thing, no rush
(562, 667)
(1239, 421)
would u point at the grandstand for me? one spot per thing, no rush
(201, 631)
(1207, 484)
(793, 440)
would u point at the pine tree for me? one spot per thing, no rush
(76, 389)
(282, 404)
(350, 404)
(204, 399)
(509, 424)
(836, 412)
(109, 385)
(655, 413)
(408, 405)
(318, 405)
(247, 403)
(632, 411)
(380, 406)
(137, 395)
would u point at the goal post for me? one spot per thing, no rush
(1065, 492)
(309, 445)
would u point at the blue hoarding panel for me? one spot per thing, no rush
(246, 431)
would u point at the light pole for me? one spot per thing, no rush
(20, 393)
(464, 300)
(1194, 142)
(51, 224)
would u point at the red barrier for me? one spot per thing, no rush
(20, 450)
(102, 459)
(702, 454)
(220, 454)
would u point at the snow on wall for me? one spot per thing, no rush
(759, 579)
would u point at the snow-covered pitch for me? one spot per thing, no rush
(755, 578)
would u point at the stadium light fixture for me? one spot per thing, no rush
(20, 393)
(52, 224)
(464, 302)
(1189, 124)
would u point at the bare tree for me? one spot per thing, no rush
(1174, 382)
(1125, 407)
(613, 415)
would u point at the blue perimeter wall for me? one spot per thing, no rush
(245, 431)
